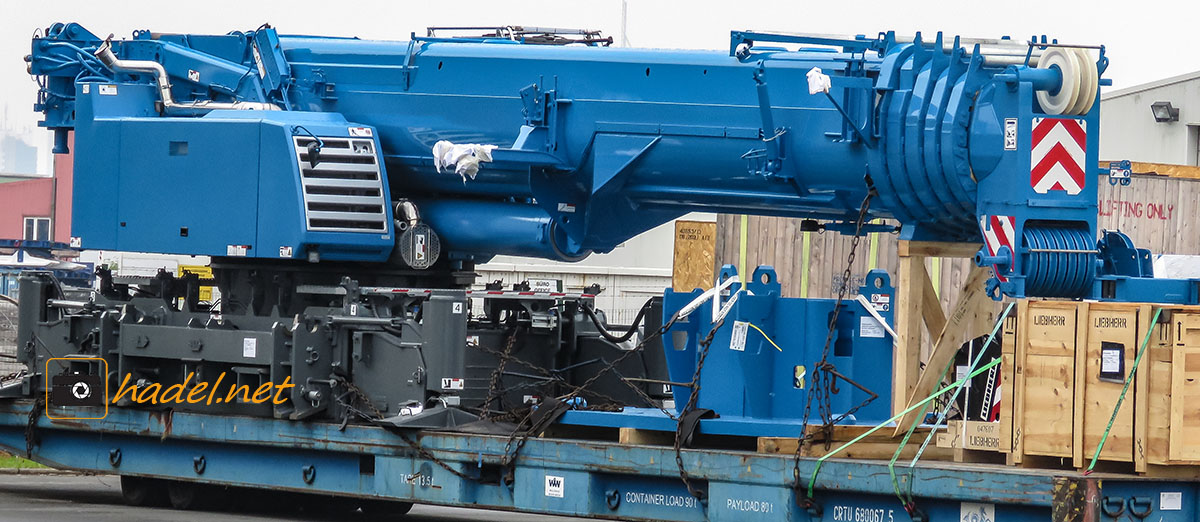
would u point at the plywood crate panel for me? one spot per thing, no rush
(971, 435)
(1185, 390)
(1045, 379)
(1155, 402)
(1112, 344)
(1173, 394)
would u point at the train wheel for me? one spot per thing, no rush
(187, 495)
(384, 509)
(141, 491)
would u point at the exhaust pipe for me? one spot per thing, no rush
(110, 60)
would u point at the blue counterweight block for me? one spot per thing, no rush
(747, 380)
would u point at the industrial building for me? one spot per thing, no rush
(1156, 122)
(35, 207)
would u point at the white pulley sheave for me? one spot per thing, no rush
(1090, 82)
(1080, 81)
(1060, 102)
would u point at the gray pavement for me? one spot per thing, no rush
(97, 498)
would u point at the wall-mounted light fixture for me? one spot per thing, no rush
(1164, 112)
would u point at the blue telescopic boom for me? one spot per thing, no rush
(308, 144)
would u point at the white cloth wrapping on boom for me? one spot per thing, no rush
(818, 81)
(465, 158)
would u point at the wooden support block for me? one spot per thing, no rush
(931, 305)
(778, 445)
(917, 303)
(1043, 462)
(906, 362)
(869, 449)
(885, 451)
(646, 437)
(1173, 472)
(978, 457)
(957, 331)
(873, 444)
(937, 249)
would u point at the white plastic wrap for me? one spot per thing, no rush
(464, 158)
(818, 81)
(1176, 266)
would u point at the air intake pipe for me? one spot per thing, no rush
(110, 60)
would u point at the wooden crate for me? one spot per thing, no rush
(1043, 391)
(1185, 389)
(1062, 387)
(1112, 333)
(1172, 391)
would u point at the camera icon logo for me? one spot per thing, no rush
(77, 394)
(81, 391)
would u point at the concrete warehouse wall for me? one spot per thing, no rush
(1130, 132)
(1158, 212)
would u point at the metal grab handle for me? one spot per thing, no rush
(1113, 506)
(1140, 506)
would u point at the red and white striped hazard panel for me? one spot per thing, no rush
(1059, 155)
(998, 231)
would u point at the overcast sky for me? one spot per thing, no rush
(1146, 40)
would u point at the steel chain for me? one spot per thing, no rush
(649, 400)
(511, 453)
(518, 437)
(693, 398)
(19, 374)
(376, 415)
(35, 413)
(550, 377)
(821, 384)
(494, 385)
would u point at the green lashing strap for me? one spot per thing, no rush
(923, 404)
(942, 414)
(1128, 379)
(812, 480)
(903, 443)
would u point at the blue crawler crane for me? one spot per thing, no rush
(346, 190)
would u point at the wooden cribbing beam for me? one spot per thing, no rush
(918, 305)
(960, 327)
